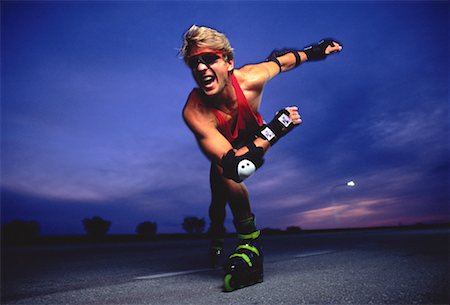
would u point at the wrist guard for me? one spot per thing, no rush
(317, 51)
(239, 168)
(277, 128)
(277, 53)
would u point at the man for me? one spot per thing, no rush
(223, 115)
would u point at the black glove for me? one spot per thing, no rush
(317, 51)
(277, 128)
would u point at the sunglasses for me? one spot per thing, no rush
(205, 58)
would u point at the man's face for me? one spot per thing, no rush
(209, 69)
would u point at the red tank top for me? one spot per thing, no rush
(247, 122)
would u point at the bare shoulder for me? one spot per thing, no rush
(253, 76)
(197, 116)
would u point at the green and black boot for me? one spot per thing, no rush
(244, 266)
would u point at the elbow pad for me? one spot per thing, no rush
(277, 128)
(277, 53)
(239, 168)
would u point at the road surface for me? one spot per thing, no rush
(347, 267)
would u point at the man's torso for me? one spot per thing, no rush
(238, 123)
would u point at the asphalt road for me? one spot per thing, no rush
(353, 267)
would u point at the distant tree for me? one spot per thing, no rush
(194, 225)
(146, 229)
(293, 229)
(20, 231)
(96, 227)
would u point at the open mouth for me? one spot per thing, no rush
(207, 80)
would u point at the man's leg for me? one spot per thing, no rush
(217, 208)
(245, 265)
(226, 190)
(217, 214)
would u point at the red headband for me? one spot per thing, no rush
(206, 52)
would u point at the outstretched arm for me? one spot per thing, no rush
(253, 77)
(288, 59)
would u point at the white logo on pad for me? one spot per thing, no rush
(268, 133)
(285, 120)
(245, 169)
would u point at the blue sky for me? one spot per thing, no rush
(92, 94)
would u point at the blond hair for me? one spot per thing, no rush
(205, 37)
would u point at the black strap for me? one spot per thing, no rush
(277, 53)
(275, 60)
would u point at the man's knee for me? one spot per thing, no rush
(219, 182)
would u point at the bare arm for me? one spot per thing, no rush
(210, 140)
(253, 77)
(220, 151)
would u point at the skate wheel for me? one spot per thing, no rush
(227, 283)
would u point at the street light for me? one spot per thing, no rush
(350, 183)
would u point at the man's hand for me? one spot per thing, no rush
(335, 47)
(294, 115)
(321, 50)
